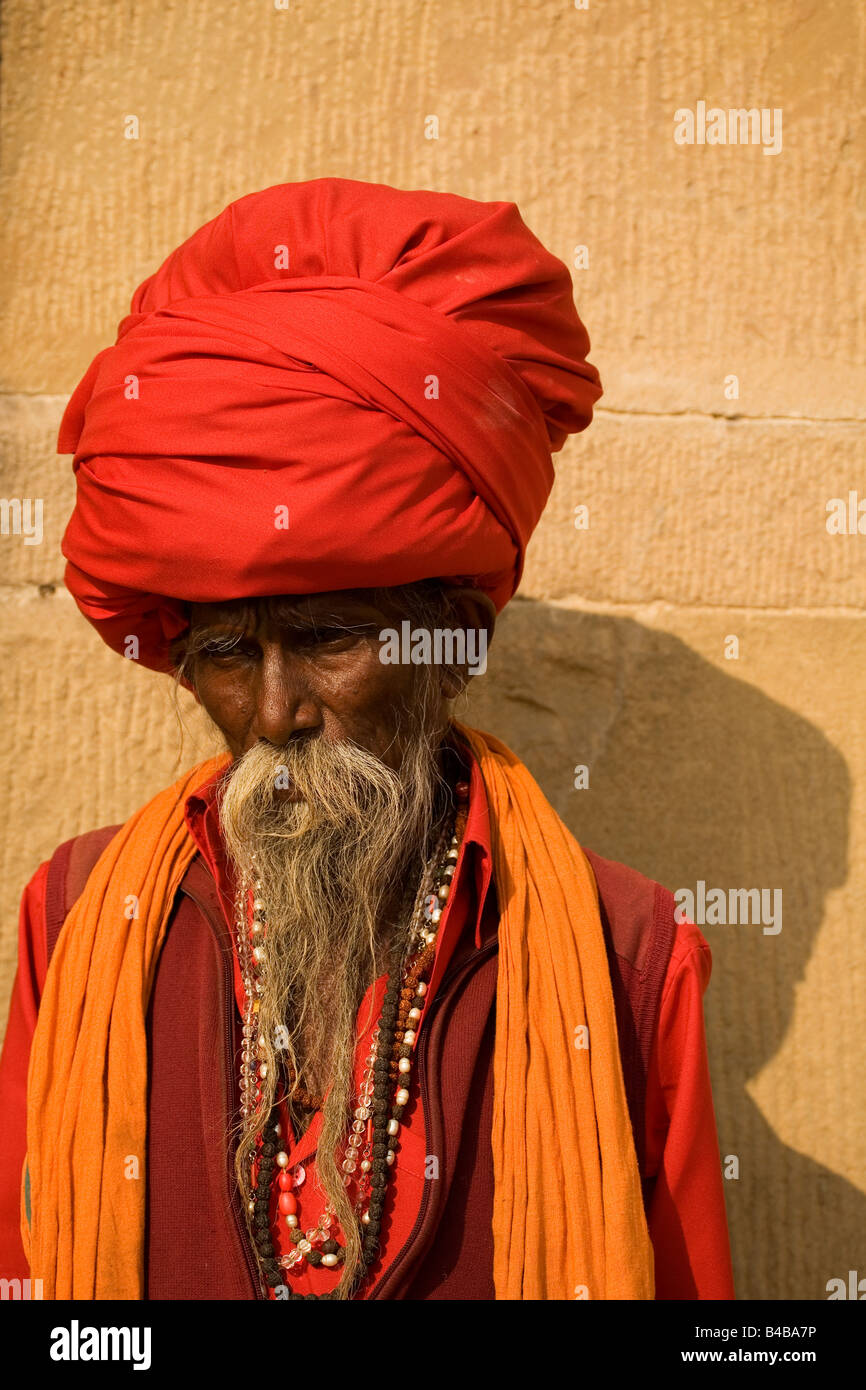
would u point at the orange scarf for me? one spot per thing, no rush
(568, 1219)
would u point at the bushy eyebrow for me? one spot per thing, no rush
(224, 635)
(213, 637)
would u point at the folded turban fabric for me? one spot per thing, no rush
(331, 385)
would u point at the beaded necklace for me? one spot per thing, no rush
(382, 1097)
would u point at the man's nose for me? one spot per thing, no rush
(284, 701)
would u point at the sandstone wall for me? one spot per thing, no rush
(706, 497)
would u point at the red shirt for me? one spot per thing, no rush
(686, 1217)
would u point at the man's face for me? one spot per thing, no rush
(311, 667)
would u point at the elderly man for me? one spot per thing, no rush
(346, 1012)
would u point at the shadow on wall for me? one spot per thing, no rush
(694, 775)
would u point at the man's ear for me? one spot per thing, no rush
(472, 610)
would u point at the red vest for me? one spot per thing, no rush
(197, 1244)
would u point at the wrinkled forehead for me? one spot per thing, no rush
(294, 610)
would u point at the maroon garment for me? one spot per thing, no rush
(197, 1246)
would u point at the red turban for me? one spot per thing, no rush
(331, 385)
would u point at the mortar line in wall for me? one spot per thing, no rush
(572, 603)
(729, 417)
(732, 419)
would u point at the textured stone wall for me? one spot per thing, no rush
(722, 288)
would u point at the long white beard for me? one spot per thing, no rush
(331, 870)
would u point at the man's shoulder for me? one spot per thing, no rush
(77, 855)
(636, 910)
(69, 868)
(87, 842)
